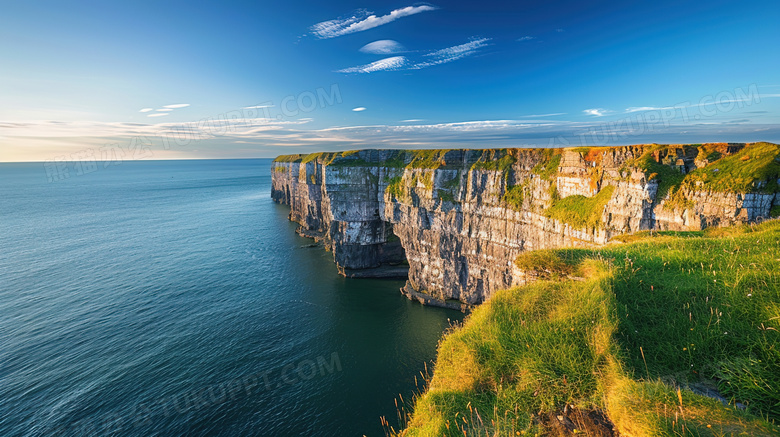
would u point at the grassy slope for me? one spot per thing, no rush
(655, 313)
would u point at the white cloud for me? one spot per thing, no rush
(270, 136)
(165, 110)
(176, 106)
(393, 63)
(597, 112)
(644, 108)
(258, 106)
(452, 53)
(359, 109)
(412, 120)
(526, 38)
(146, 110)
(363, 20)
(157, 114)
(435, 57)
(383, 47)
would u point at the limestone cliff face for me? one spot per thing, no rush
(459, 218)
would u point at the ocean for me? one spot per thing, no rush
(173, 298)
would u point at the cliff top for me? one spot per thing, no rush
(725, 167)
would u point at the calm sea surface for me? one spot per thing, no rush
(175, 299)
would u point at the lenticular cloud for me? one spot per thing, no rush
(383, 47)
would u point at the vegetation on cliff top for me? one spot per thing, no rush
(754, 168)
(580, 211)
(650, 320)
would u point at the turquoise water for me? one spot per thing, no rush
(174, 298)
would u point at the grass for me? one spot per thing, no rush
(580, 211)
(396, 187)
(494, 160)
(289, 158)
(446, 196)
(667, 177)
(514, 196)
(651, 317)
(430, 159)
(756, 168)
(547, 168)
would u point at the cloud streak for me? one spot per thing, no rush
(393, 63)
(597, 112)
(430, 59)
(453, 53)
(362, 20)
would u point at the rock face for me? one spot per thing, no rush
(457, 219)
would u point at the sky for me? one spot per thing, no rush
(178, 80)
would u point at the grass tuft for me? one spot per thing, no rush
(580, 211)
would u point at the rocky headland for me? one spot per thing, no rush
(454, 221)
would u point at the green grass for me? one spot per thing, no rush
(774, 212)
(289, 158)
(514, 196)
(742, 171)
(580, 211)
(755, 168)
(652, 315)
(548, 167)
(667, 177)
(446, 196)
(430, 159)
(494, 160)
(396, 187)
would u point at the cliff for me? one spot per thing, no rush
(458, 219)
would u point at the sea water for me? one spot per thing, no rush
(173, 298)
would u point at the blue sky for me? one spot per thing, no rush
(76, 76)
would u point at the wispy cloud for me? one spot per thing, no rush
(526, 38)
(383, 47)
(146, 110)
(452, 53)
(258, 107)
(176, 106)
(644, 108)
(393, 63)
(269, 136)
(158, 114)
(363, 20)
(412, 120)
(597, 112)
(359, 109)
(165, 110)
(430, 59)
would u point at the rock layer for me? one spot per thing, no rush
(459, 218)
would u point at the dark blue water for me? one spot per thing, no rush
(174, 298)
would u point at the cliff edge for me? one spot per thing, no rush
(458, 219)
